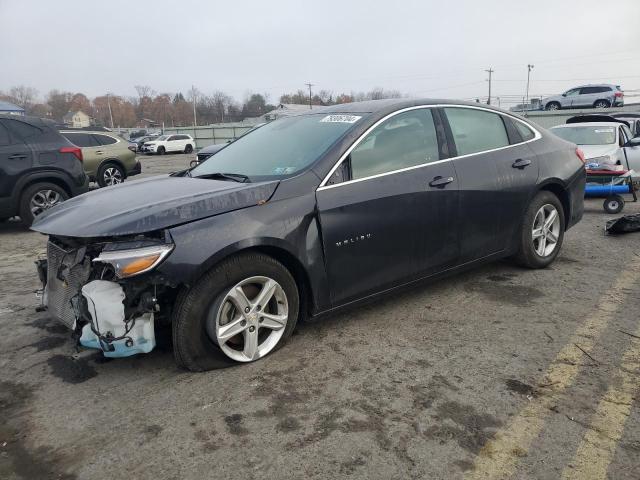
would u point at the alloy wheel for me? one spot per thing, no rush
(43, 200)
(546, 230)
(112, 176)
(251, 319)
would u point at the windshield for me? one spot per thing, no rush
(162, 137)
(591, 135)
(280, 148)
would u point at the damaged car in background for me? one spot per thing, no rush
(308, 214)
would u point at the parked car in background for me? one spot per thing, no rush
(307, 214)
(39, 168)
(609, 143)
(107, 157)
(140, 141)
(170, 144)
(586, 96)
(633, 119)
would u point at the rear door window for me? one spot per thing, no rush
(105, 139)
(405, 140)
(476, 130)
(82, 139)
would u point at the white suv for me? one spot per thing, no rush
(169, 143)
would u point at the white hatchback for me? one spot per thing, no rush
(170, 144)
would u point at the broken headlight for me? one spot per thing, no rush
(130, 262)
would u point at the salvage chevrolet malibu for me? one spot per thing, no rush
(307, 214)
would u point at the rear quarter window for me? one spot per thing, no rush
(105, 139)
(525, 132)
(81, 139)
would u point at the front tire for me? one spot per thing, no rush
(110, 174)
(161, 150)
(552, 106)
(224, 319)
(541, 232)
(40, 197)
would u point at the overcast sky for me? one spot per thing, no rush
(422, 48)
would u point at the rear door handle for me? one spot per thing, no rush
(520, 163)
(17, 156)
(440, 182)
(99, 152)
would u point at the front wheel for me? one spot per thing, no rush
(240, 311)
(552, 106)
(541, 232)
(161, 150)
(40, 197)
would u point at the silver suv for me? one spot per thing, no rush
(587, 96)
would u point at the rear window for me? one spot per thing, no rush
(105, 139)
(476, 130)
(82, 139)
(23, 130)
(587, 135)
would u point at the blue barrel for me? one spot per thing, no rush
(605, 190)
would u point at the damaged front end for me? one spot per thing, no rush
(106, 290)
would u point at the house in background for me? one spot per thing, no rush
(10, 108)
(77, 119)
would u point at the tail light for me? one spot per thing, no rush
(580, 155)
(72, 150)
(618, 94)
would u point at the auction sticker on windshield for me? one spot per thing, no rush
(340, 119)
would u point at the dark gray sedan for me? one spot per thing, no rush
(306, 215)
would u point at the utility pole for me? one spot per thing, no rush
(309, 85)
(193, 95)
(529, 68)
(490, 71)
(109, 104)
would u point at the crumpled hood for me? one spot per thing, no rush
(149, 204)
(592, 151)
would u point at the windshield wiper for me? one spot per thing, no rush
(236, 177)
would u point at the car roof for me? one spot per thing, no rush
(392, 104)
(98, 132)
(31, 120)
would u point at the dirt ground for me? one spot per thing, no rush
(496, 373)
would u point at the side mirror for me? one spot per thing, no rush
(564, 94)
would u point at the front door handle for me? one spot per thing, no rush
(520, 163)
(440, 182)
(17, 156)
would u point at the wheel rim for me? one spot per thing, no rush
(546, 230)
(553, 106)
(112, 176)
(251, 319)
(43, 200)
(613, 205)
(601, 105)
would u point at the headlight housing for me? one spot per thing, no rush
(131, 262)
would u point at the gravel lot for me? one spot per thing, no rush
(496, 373)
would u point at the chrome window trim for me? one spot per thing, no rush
(323, 185)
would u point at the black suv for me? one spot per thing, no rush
(39, 167)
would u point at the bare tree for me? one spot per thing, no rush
(145, 91)
(23, 96)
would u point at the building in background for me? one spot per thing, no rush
(10, 108)
(77, 119)
(285, 110)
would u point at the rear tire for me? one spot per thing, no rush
(552, 106)
(601, 104)
(198, 313)
(188, 148)
(39, 197)
(541, 232)
(613, 204)
(161, 150)
(110, 174)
